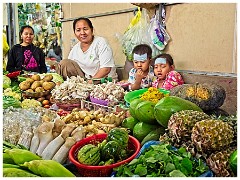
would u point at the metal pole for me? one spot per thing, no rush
(11, 24)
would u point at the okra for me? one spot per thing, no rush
(48, 168)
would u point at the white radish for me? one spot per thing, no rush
(45, 136)
(62, 154)
(35, 141)
(52, 148)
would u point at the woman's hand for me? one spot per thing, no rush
(103, 72)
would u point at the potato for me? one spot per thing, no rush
(30, 80)
(39, 89)
(48, 85)
(35, 84)
(24, 85)
(48, 78)
(36, 77)
(41, 82)
(30, 90)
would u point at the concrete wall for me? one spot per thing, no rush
(203, 36)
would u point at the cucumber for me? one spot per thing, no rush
(153, 135)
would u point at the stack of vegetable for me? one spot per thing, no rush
(162, 160)
(111, 150)
(110, 92)
(73, 89)
(19, 162)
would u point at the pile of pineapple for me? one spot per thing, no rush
(209, 137)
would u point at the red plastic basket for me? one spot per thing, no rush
(68, 107)
(99, 171)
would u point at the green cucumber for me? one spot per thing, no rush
(153, 135)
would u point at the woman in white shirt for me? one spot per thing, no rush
(91, 57)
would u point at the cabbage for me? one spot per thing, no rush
(6, 82)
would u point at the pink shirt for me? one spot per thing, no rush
(173, 78)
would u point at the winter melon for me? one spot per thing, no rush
(144, 112)
(169, 105)
(142, 129)
(133, 105)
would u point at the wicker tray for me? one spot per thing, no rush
(36, 94)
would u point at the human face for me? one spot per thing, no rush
(83, 32)
(142, 65)
(27, 36)
(161, 70)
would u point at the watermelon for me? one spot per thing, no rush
(89, 154)
(119, 135)
(110, 151)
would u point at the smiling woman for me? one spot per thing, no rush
(26, 56)
(91, 57)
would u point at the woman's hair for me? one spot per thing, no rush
(168, 58)
(24, 27)
(85, 19)
(142, 49)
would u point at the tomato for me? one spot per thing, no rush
(45, 102)
(46, 106)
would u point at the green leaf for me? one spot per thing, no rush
(187, 164)
(134, 161)
(176, 173)
(140, 170)
(169, 167)
(127, 172)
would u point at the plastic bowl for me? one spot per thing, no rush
(137, 93)
(100, 171)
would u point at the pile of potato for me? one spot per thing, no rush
(36, 84)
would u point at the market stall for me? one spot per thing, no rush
(61, 121)
(71, 128)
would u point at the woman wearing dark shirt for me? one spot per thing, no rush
(25, 56)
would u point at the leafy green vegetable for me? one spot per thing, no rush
(162, 160)
(6, 82)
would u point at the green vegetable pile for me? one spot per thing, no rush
(9, 101)
(162, 160)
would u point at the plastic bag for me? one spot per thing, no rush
(158, 35)
(5, 45)
(137, 34)
(135, 19)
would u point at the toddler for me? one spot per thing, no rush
(166, 77)
(141, 75)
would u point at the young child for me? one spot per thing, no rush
(166, 77)
(141, 75)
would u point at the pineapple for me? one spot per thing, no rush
(181, 123)
(218, 162)
(212, 135)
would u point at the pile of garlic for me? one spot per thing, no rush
(108, 91)
(73, 88)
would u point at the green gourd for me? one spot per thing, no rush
(169, 105)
